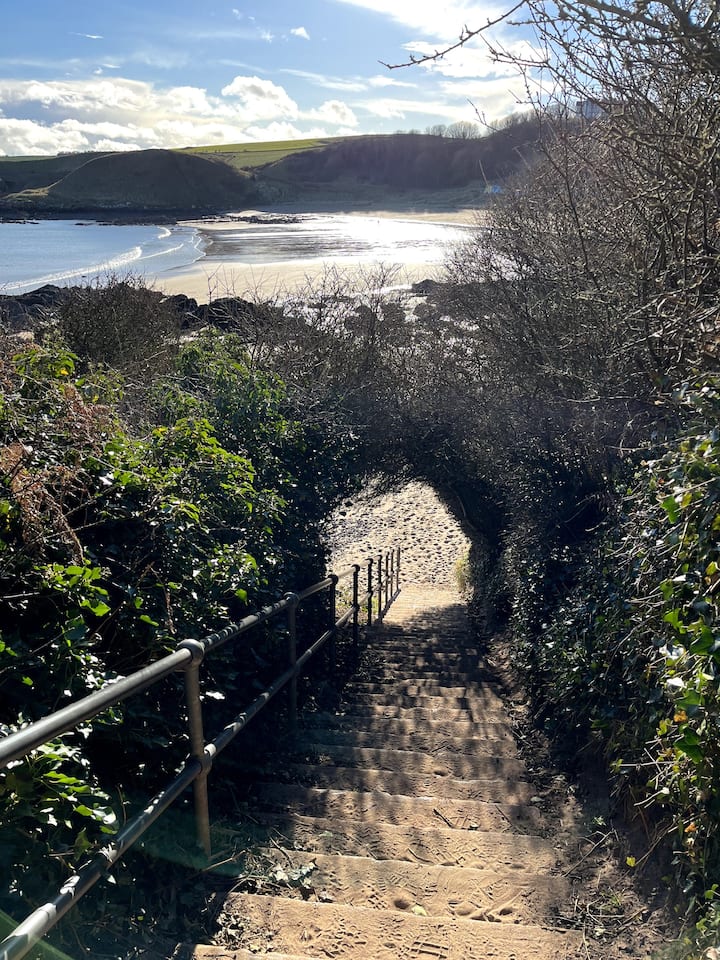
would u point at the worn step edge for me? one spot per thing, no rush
(419, 742)
(208, 951)
(439, 711)
(422, 811)
(330, 930)
(463, 892)
(420, 688)
(443, 763)
(491, 789)
(349, 720)
(437, 844)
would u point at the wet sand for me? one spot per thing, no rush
(210, 278)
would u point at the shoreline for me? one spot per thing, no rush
(209, 278)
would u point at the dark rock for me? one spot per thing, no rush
(423, 287)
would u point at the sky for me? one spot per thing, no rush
(82, 75)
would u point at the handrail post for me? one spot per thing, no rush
(398, 571)
(380, 585)
(370, 592)
(356, 605)
(391, 588)
(292, 659)
(197, 749)
(332, 646)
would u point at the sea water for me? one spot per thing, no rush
(66, 252)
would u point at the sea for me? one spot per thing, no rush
(72, 252)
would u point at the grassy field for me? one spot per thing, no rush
(245, 156)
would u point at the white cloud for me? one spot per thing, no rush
(28, 137)
(472, 61)
(88, 36)
(443, 21)
(261, 99)
(120, 114)
(334, 112)
(328, 82)
(275, 131)
(382, 81)
(300, 32)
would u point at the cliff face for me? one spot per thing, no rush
(152, 180)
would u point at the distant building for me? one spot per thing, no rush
(592, 109)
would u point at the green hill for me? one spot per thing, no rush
(147, 180)
(224, 177)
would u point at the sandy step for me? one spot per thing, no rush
(406, 784)
(439, 763)
(422, 654)
(472, 704)
(409, 645)
(395, 671)
(490, 894)
(482, 729)
(436, 845)
(436, 710)
(331, 930)
(378, 806)
(422, 688)
(501, 742)
(210, 952)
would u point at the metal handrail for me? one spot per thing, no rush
(188, 657)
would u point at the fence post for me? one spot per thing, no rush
(356, 605)
(391, 588)
(397, 571)
(370, 592)
(292, 659)
(197, 744)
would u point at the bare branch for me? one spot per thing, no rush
(465, 36)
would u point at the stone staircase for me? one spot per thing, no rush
(413, 815)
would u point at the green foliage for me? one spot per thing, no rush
(630, 654)
(117, 540)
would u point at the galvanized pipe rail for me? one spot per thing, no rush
(383, 585)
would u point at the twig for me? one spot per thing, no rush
(274, 842)
(582, 859)
(443, 818)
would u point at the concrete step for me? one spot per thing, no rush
(489, 894)
(188, 951)
(436, 709)
(494, 789)
(411, 811)
(422, 688)
(497, 742)
(333, 930)
(440, 763)
(398, 671)
(473, 705)
(437, 728)
(438, 844)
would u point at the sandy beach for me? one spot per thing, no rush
(210, 277)
(410, 516)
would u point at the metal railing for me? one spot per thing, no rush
(382, 585)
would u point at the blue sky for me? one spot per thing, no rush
(106, 75)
